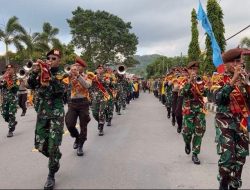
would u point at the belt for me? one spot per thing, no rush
(78, 100)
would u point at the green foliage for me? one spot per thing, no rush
(194, 48)
(101, 36)
(163, 64)
(12, 34)
(215, 16)
(245, 42)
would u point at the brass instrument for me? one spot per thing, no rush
(121, 70)
(67, 69)
(21, 74)
(28, 66)
(91, 75)
(198, 80)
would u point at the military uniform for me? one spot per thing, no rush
(168, 97)
(194, 123)
(9, 104)
(99, 97)
(50, 114)
(193, 110)
(231, 127)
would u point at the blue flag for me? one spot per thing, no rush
(201, 16)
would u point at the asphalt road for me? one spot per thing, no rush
(140, 150)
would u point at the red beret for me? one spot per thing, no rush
(232, 54)
(80, 61)
(55, 52)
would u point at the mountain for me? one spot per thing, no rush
(144, 61)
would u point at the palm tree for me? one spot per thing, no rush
(12, 34)
(48, 37)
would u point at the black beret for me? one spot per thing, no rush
(55, 52)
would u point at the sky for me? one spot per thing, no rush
(162, 26)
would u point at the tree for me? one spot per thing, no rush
(12, 34)
(245, 42)
(101, 36)
(215, 16)
(47, 38)
(194, 48)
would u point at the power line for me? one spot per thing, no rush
(238, 32)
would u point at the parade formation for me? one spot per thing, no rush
(102, 90)
(67, 91)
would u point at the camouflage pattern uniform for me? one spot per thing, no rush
(99, 104)
(50, 116)
(9, 104)
(194, 123)
(110, 103)
(232, 141)
(120, 98)
(168, 96)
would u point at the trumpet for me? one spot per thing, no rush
(21, 73)
(28, 66)
(121, 69)
(67, 69)
(198, 80)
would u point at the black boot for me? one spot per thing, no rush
(178, 129)
(75, 145)
(79, 150)
(119, 111)
(23, 113)
(10, 134)
(195, 159)
(223, 186)
(232, 188)
(168, 109)
(100, 127)
(109, 122)
(187, 148)
(50, 183)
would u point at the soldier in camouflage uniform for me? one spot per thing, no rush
(194, 123)
(9, 87)
(50, 111)
(100, 97)
(231, 122)
(109, 86)
(168, 96)
(120, 98)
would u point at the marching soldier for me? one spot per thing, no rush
(168, 93)
(47, 81)
(78, 104)
(194, 123)
(108, 84)
(100, 97)
(9, 85)
(231, 121)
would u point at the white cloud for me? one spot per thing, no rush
(163, 26)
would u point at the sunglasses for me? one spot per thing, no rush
(51, 58)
